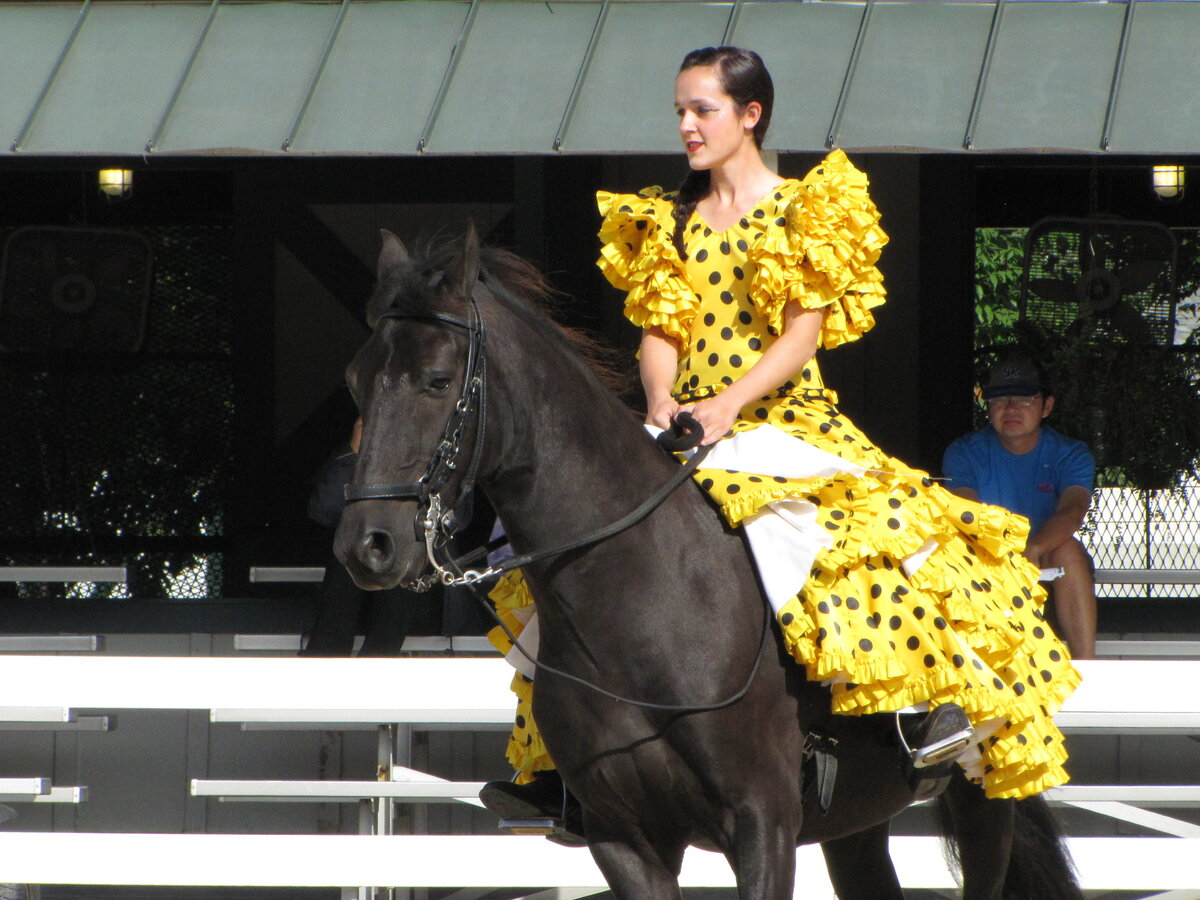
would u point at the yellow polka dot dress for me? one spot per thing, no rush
(889, 587)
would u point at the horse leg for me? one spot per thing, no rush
(860, 867)
(982, 832)
(633, 868)
(763, 857)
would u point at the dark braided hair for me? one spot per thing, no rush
(745, 78)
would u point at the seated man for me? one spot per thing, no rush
(1028, 468)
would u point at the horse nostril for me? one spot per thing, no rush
(378, 550)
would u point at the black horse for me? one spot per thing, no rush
(464, 380)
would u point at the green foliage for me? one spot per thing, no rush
(998, 258)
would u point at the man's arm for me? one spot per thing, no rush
(1061, 526)
(959, 470)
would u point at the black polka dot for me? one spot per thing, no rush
(893, 524)
(742, 245)
(786, 619)
(714, 278)
(760, 413)
(968, 517)
(709, 319)
(641, 224)
(823, 607)
(745, 318)
(733, 489)
(520, 721)
(874, 620)
(939, 623)
(726, 334)
(865, 645)
(852, 603)
(725, 247)
(876, 590)
(1018, 689)
(929, 661)
(998, 684)
(919, 612)
(913, 643)
(726, 297)
(758, 214)
(957, 660)
(738, 273)
(713, 359)
(893, 503)
(735, 361)
(895, 622)
(701, 344)
(707, 484)
(781, 221)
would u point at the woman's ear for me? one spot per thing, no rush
(751, 114)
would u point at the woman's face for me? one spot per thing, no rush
(712, 127)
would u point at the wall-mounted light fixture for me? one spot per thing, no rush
(115, 184)
(1168, 182)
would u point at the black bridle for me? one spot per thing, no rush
(434, 522)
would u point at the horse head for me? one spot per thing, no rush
(417, 382)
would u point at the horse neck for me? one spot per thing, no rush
(564, 453)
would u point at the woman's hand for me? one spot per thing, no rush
(661, 414)
(716, 414)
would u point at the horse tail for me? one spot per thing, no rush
(1039, 865)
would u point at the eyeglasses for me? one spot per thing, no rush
(1019, 402)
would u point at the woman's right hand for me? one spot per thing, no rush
(662, 413)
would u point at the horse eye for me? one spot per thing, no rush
(439, 382)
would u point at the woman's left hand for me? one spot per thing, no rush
(715, 415)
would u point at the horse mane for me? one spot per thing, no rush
(521, 286)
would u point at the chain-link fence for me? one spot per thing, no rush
(1128, 529)
(118, 454)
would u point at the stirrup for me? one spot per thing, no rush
(528, 826)
(944, 734)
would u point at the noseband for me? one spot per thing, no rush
(434, 522)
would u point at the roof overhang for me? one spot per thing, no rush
(403, 77)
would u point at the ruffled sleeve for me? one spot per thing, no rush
(824, 254)
(637, 256)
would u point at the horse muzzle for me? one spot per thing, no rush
(377, 546)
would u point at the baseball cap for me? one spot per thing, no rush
(1014, 376)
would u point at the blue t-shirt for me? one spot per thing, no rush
(1029, 484)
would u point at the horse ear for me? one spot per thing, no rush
(468, 270)
(392, 255)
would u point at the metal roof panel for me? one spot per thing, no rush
(249, 79)
(805, 48)
(115, 81)
(382, 77)
(31, 40)
(1158, 107)
(627, 100)
(1050, 77)
(916, 76)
